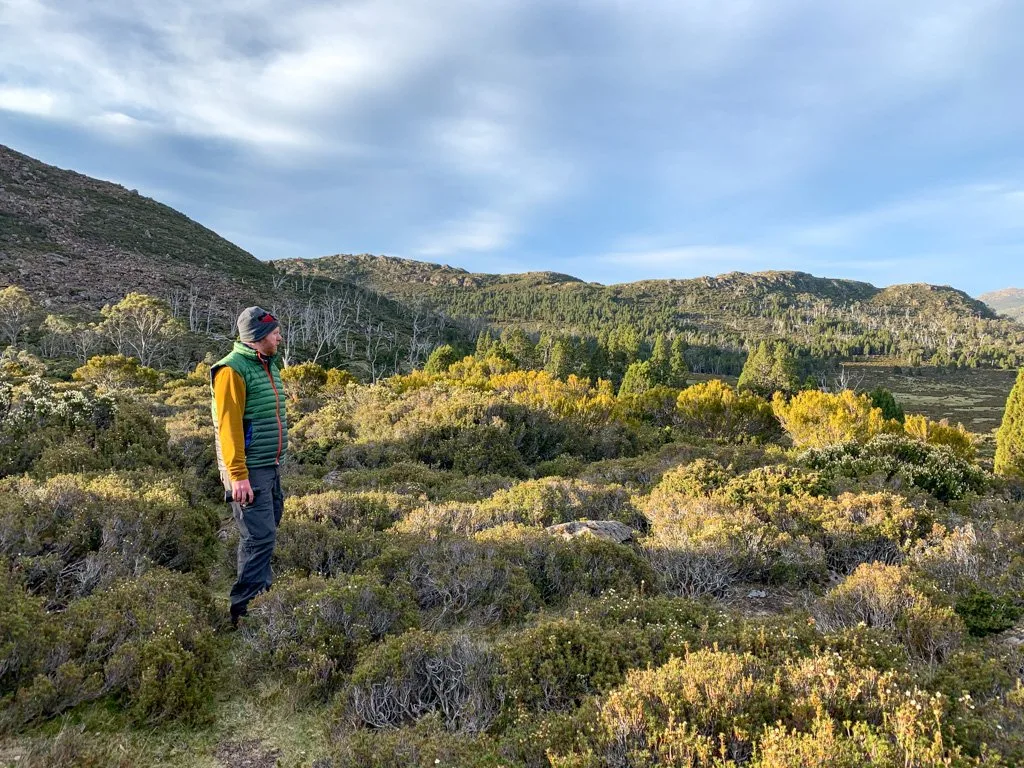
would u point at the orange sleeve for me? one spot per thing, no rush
(229, 395)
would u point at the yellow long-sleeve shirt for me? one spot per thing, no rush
(229, 396)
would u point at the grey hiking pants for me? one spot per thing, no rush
(257, 532)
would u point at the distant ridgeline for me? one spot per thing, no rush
(720, 318)
(75, 244)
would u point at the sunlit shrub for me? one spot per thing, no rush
(557, 663)
(716, 410)
(701, 477)
(885, 597)
(815, 419)
(534, 502)
(375, 510)
(687, 703)
(863, 528)
(117, 373)
(304, 380)
(957, 438)
(72, 534)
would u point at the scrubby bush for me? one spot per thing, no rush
(455, 578)
(957, 438)
(702, 477)
(884, 596)
(558, 568)
(426, 743)
(815, 419)
(935, 469)
(864, 528)
(303, 380)
(764, 486)
(46, 431)
(374, 510)
(73, 534)
(558, 663)
(146, 641)
(682, 707)
(313, 628)
(419, 673)
(321, 549)
(716, 410)
(117, 373)
(533, 502)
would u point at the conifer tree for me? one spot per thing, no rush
(638, 379)
(678, 369)
(440, 359)
(1010, 438)
(757, 372)
(784, 371)
(484, 342)
(661, 363)
(563, 359)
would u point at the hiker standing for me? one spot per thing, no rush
(251, 430)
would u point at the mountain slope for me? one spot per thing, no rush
(824, 316)
(1008, 301)
(77, 243)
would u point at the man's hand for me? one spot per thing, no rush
(241, 491)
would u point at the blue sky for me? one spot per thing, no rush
(611, 140)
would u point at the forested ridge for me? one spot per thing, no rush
(821, 317)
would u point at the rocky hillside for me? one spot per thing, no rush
(1008, 301)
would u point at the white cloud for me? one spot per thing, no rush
(481, 232)
(29, 101)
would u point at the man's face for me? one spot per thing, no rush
(268, 344)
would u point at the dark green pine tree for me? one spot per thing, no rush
(484, 342)
(1010, 438)
(661, 360)
(678, 370)
(562, 361)
(757, 371)
(638, 379)
(441, 359)
(519, 347)
(784, 370)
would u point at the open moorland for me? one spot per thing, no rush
(485, 566)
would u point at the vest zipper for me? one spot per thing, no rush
(277, 409)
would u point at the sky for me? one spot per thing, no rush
(610, 140)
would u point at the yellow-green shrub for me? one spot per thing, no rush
(716, 410)
(941, 433)
(816, 419)
(304, 380)
(557, 663)
(117, 373)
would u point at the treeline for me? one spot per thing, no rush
(923, 329)
(341, 327)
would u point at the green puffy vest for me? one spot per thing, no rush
(264, 420)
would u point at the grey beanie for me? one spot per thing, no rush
(254, 323)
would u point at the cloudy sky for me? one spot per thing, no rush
(608, 139)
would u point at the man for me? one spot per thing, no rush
(251, 430)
